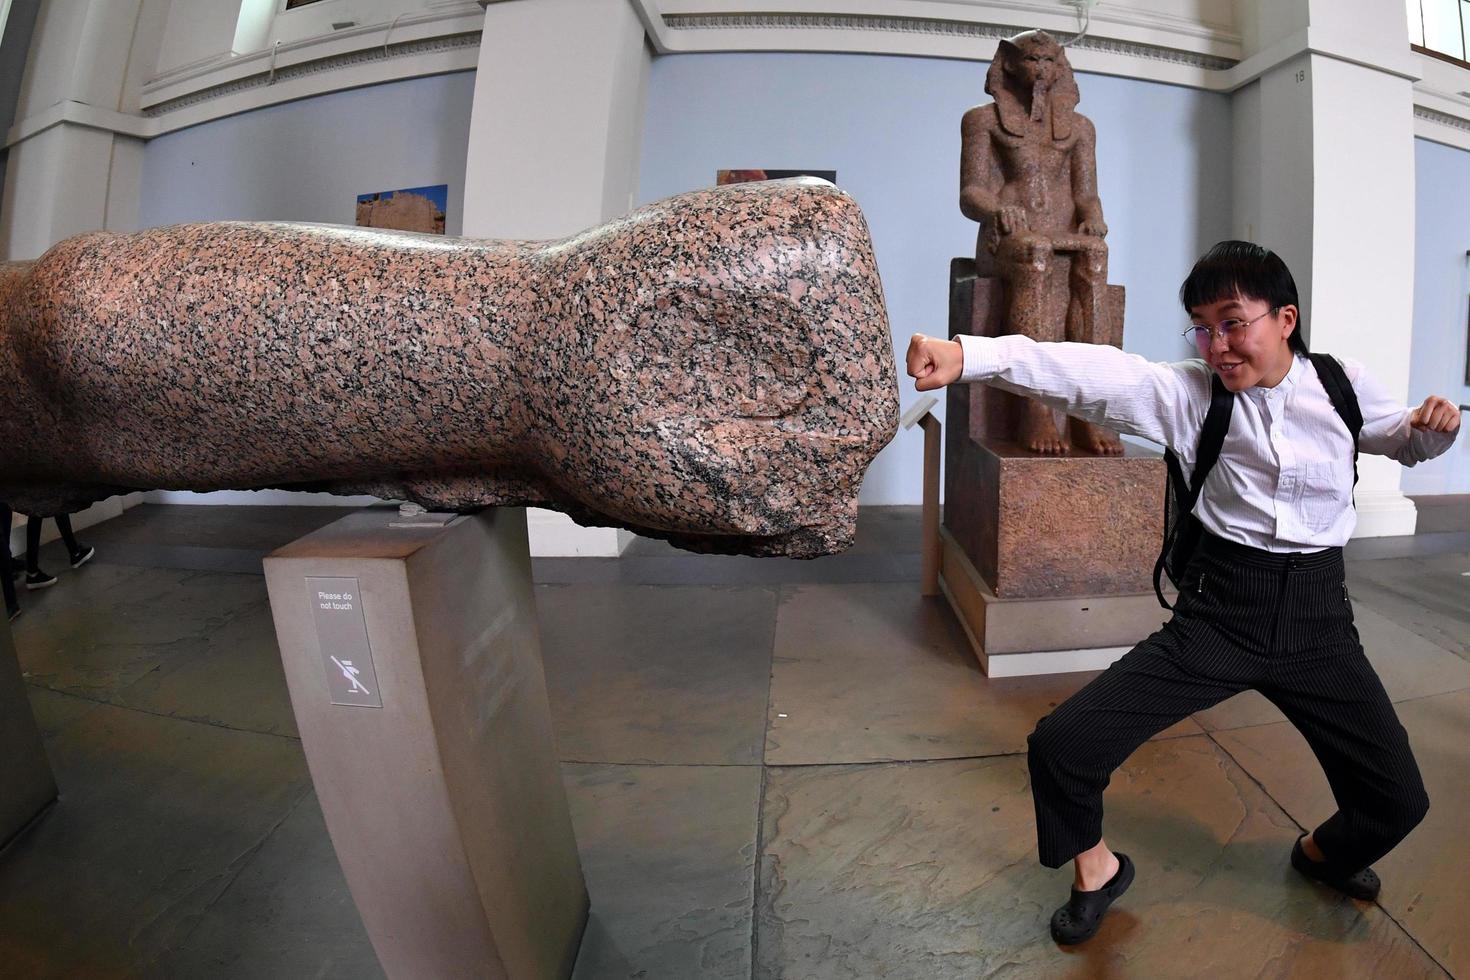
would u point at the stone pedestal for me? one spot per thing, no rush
(1048, 555)
(1048, 527)
(26, 784)
(413, 660)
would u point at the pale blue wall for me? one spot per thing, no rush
(1441, 288)
(308, 160)
(890, 126)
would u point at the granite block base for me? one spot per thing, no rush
(1017, 637)
(1054, 526)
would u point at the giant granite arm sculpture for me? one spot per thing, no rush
(714, 369)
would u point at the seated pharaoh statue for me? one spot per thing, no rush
(714, 369)
(1028, 174)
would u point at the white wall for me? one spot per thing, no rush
(890, 128)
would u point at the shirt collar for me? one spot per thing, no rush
(1293, 375)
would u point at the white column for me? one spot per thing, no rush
(553, 150)
(64, 178)
(1324, 173)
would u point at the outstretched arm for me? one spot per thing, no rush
(1102, 384)
(1391, 429)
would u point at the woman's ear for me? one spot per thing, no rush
(1288, 320)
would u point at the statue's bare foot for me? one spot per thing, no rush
(1095, 439)
(1039, 431)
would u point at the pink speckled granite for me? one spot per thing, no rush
(715, 369)
(1028, 174)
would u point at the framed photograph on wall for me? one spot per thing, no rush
(724, 177)
(1467, 343)
(409, 209)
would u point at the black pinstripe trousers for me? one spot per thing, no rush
(1281, 624)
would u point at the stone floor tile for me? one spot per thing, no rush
(55, 711)
(683, 569)
(669, 857)
(236, 680)
(868, 673)
(638, 674)
(1407, 546)
(1425, 885)
(288, 913)
(75, 589)
(1409, 666)
(156, 817)
(928, 870)
(1441, 512)
(880, 531)
(262, 529)
(886, 549)
(1428, 595)
(95, 641)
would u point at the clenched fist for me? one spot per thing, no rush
(934, 363)
(1435, 415)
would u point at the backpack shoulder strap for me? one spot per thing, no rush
(1344, 399)
(1186, 495)
(1211, 438)
(1340, 390)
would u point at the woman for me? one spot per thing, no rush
(1263, 605)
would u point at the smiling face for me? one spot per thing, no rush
(1257, 355)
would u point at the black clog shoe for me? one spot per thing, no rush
(1362, 885)
(1080, 918)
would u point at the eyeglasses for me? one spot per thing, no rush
(1231, 329)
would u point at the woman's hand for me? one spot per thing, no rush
(934, 363)
(1435, 415)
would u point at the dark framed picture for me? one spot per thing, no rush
(1467, 344)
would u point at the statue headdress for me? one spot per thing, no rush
(1001, 85)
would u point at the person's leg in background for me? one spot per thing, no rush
(7, 570)
(78, 553)
(35, 577)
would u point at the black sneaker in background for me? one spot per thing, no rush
(39, 580)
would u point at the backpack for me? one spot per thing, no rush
(1182, 530)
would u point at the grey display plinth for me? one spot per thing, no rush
(445, 804)
(26, 783)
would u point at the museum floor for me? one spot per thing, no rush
(776, 769)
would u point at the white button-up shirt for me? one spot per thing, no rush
(1284, 479)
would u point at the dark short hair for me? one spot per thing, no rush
(1243, 269)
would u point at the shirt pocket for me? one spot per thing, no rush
(1327, 488)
